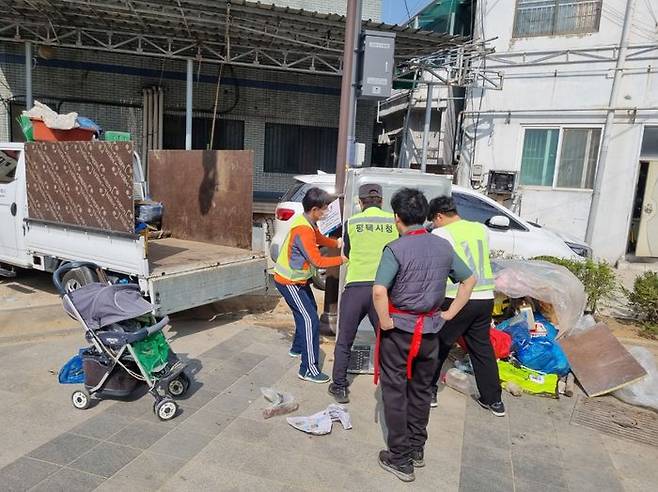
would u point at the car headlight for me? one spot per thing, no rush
(580, 249)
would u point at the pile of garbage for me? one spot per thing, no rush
(542, 340)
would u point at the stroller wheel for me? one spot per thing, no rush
(81, 399)
(165, 409)
(179, 386)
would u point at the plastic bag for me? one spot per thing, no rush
(644, 393)
(583, 324)
(531, 382)
(282, 403)
(500, 341)
(72, 372)
(152, 352)
(546, 282)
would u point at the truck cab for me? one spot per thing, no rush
(13, 207)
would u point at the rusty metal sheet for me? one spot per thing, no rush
(86, 184)
(207, 194)
(600, 363)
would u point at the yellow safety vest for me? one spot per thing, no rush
(369, 231)
(471, 244)
(282, 266)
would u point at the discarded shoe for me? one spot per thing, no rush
(403, 472)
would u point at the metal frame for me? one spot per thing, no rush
(236, 32)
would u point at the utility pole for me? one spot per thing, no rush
(609, 121)
(346, 126)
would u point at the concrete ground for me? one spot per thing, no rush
(221, 442)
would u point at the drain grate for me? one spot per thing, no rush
(610, 416)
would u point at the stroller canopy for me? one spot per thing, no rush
(101, 305)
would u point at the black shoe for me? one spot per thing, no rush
(418, 458)
(497, 408)
(403, 472)
(434, 402)
(340, 393)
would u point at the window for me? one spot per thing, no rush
(578, 151)
(298, 149)
(229, 134)
(554, 17)
(650, 143)
(477, 210)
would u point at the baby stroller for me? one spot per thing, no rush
(128, 348)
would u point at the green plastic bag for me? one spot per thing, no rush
(530, 381)
(26, 128)
(152, 352)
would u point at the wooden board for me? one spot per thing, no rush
(86, 184)
(207, 194)
(600, 363)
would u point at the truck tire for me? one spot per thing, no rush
(78, 277)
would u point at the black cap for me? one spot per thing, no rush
(370, 191)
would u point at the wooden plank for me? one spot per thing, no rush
(600, 363)
(207, 194)
(85, 184)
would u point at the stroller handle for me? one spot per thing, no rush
(149, 330)
(66, 267)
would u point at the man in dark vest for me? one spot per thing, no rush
(408, 292)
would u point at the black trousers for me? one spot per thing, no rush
(473, 323)
(355, 304)
(406, 401)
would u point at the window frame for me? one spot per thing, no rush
(515, 225)
(553, 30)
(558, 154)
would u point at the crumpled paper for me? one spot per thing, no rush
(321, 423)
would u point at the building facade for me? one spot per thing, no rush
(548, 122)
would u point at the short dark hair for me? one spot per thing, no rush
(371, 201)
(442, 205)
(315, 197)
(410, 205)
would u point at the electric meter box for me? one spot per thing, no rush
(377, 64)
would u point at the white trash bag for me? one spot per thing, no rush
(644, 393)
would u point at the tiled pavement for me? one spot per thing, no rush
(221, 442)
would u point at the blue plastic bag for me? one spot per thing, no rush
(72, 372)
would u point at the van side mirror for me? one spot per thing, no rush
(499, 222)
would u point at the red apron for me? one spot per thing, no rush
(417, 337)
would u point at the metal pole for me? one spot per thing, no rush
(426, 129)
(28, 76)
(351, 139)
(609, 121)
(346, 93)
(188, 105)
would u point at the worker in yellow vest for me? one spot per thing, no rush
(471, 242)
(298, 257)
(364, 236)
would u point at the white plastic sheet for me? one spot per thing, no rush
(545, 282)
(51, 118)
(644, 393)
(321, 423)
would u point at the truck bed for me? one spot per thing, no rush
(172, 256)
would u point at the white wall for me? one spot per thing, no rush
(543, 95)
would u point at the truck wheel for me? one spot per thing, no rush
(78, 277)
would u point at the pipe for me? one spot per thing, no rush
(351, 139)
(188, 105)
(346, 89)
(154, 120)
(28, 76)
(610, 116)
(558, 110)
(426, 128)
(160, 118)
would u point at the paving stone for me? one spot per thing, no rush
(533, 467)
(67, 480)
(219, 379)
(149, 470)
(140, 435)
(584, 479)
(478, 480)
(182, 444)
(206, 422)
(228, 348)
(245, 361)
(487, 458)
(198, 398)
(105, 459)
(248, 430)
(480, 435)
(130, 409)
(25, 473)
(521, 485)
(183, 413)
(233, 401)
(195, 477)
(64, 449)
(224, 453)
(102, 426)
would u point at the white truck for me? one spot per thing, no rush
(175, 274)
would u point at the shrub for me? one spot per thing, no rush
(644, 300)
(598, 277)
